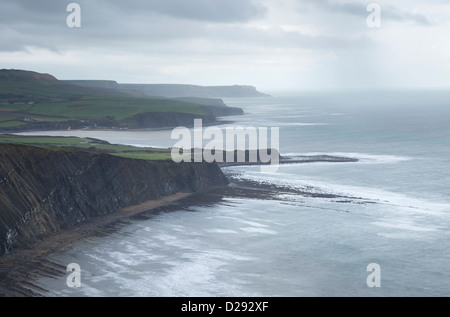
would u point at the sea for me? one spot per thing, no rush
(381, 226)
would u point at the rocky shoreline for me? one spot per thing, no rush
(299, 159)
(51, 199)
(43, 191)
(19, 269)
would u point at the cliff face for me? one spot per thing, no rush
(44, 191)
(216, 106)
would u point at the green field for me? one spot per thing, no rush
(89, 145)
(26, 101)
(93, 107)
(119, 108)
(12, 123)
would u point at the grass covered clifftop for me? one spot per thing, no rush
(32, 101)
(72, 144)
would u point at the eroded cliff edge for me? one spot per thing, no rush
(44, 191)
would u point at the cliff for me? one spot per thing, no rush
(44, 192)
(214, 105)
(180, 90)
(173, 90)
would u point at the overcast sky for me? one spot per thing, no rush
(271, 44)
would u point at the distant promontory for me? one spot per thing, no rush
(177, 90)
(31, 101)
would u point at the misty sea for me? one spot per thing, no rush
(392, 208)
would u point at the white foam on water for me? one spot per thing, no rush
(195, 275)
(254, 224)
(389, 211)
(222, 231)
(336, 114)
(259, 230)
(377, 195)
(361, 157)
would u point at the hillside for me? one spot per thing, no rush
(33, 101)
(13, 75)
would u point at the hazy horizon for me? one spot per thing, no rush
(276, 46)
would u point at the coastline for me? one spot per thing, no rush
(25, 129)
(15, 265)
(300, 159)
(57, 241)
(16, 268)
(20, 268)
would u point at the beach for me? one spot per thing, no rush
(18, 267)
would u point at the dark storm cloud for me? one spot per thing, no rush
(32, 12)
(202, 10)
(144, 25)
(152, 26)
(43, 23)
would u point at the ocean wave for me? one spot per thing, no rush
(399, 201)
